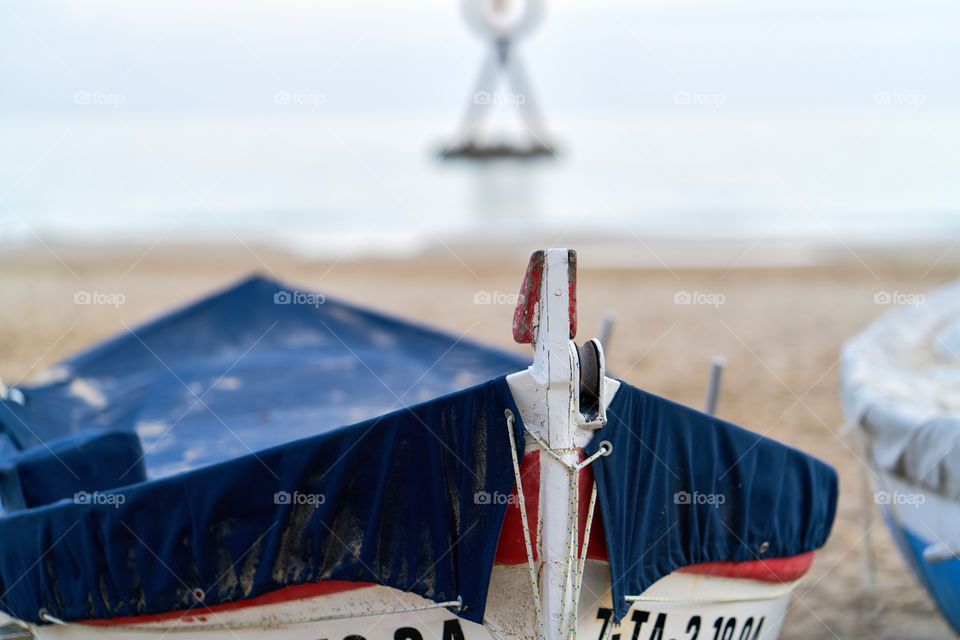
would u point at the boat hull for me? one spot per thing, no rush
(925, 527)
(680, 607)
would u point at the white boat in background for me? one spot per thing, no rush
(900, 384)
(556, 572)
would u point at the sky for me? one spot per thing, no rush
(418, 57)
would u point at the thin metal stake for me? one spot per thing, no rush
(713, 387)
(606, 326)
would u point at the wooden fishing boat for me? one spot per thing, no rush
(269, 462)
(900, 383)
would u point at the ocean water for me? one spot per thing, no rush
(318, 184)
(316, 125)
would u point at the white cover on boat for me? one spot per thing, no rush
(900, 382)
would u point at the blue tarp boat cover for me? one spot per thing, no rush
(389, 501)
(257, 366)
(682, 487)
(254, 366)
(250, 484)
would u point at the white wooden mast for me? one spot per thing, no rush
(547, 395)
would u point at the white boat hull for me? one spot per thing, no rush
(699, 608)
(926, 528)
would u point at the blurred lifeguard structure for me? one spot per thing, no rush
(501, 22)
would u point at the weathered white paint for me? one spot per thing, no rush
(550, 407)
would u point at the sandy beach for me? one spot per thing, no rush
(779, 327)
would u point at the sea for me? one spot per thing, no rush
(317, 126)
(321, 184)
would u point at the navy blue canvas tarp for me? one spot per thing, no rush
(72, 466)
(682, 487)
(254, 366)
(389, 501)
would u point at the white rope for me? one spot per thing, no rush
(581, 562)
(46, 617)
(574, 567)
(586, 539)
(531, 565)
(573, 536)
(228, 626)
(493, 632)
(546, 447)
(573, 570)
(610, 625)
(605, 449)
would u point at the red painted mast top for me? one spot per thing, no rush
(526, 315)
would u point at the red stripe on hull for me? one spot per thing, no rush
(199, 613)
(771, 570)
